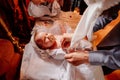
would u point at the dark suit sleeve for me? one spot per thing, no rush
(106, 17)
(109, 58)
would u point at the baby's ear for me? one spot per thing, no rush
(37, 38)
(38, 42)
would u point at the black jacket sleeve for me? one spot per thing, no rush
(109, 55)
(106, 17)
(109, 58)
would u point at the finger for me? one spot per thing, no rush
(68, 56)
(70, 49)
(70, 60)
(75, 63)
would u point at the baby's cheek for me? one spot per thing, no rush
(39, 41)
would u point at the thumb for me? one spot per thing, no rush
(68, 56)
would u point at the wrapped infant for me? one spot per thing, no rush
(52, 39)
(43, 57)
(52, 43)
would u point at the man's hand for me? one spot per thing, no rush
(77, 58)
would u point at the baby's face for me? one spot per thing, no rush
(45, 40)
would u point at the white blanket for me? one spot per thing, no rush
(40, 64)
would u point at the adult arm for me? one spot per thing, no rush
(109, 58)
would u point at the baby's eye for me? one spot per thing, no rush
(51, 38)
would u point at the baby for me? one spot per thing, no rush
(52, 39)
(45, 40)
(43, 57)
(55, 37)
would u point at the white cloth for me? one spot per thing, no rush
(55, 8)
(85, 25)
(38, 64)
(41, 10)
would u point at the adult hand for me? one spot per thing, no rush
(77, 58)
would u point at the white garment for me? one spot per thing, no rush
(87, 21)
(37, 10)
(40, 64)
(41, 10)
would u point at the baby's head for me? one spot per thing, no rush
(45, 40)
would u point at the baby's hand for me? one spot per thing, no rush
(65, 42)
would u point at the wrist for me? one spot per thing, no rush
(86, 57)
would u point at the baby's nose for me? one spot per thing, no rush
(47, 39)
